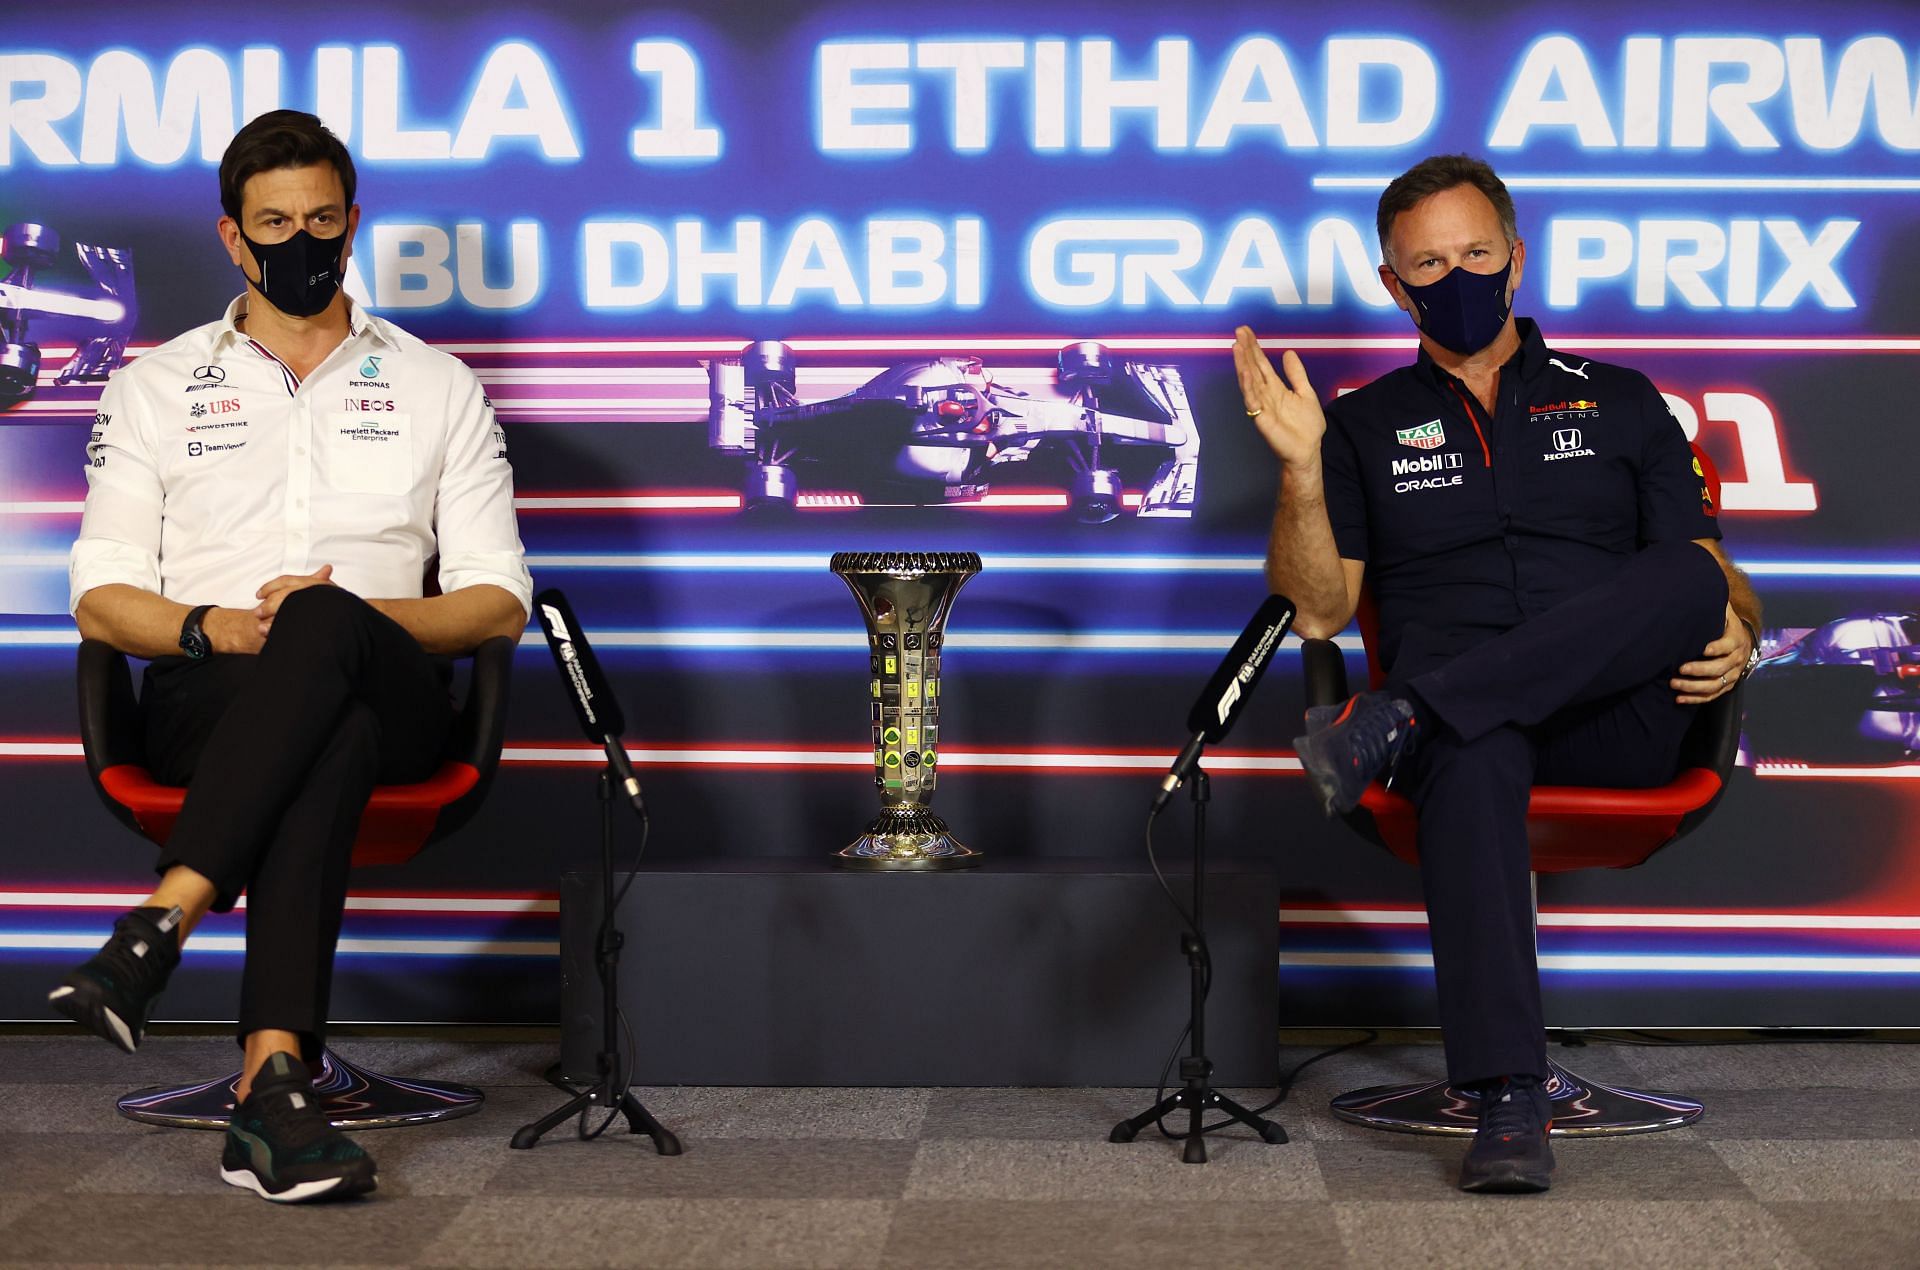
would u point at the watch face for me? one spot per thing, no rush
(193, 636)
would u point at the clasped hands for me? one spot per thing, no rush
(245, 631)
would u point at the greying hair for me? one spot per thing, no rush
(1432, 175)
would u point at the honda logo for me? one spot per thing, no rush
(1566, 439)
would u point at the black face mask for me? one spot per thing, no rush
(1463, 311)
(300, 276)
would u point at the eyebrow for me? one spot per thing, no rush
(274, 211)
(1427, 253)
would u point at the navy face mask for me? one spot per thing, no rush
(1463, 311)
(300, 276)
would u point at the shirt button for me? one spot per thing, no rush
(301, 502)
(301, 449)
(1512, 541)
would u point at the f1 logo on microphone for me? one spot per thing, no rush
(1565, 439)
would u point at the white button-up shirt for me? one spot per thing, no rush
(213, 470)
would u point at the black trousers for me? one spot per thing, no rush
(279, 753)
(1575, 696)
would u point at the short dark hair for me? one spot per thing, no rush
(1432, 175)
(280, 139)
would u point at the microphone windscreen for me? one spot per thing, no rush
(1232, 684)
(593, 701)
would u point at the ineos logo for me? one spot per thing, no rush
(1566, 439)
(210, 375)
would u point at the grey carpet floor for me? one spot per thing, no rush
(1809, 1155)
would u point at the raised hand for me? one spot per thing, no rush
(1287, 411)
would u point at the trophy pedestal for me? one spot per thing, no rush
(1055, 972)
(906, 840)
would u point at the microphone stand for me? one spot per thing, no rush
(610, 1089)
(1198, 1095)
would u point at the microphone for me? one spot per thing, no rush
(593, 701)
(1225, 695)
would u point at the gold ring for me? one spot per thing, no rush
(1255, 414)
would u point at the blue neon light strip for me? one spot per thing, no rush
(1152, 563)
(1840, 184)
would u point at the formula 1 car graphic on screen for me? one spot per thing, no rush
(93, 307)
(1848, 691)
(943, 430)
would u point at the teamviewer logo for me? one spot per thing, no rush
(1565, 439)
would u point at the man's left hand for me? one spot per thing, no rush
(275, 593)
(1720, 666)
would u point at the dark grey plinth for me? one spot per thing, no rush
(783, 972)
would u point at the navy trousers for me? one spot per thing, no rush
(1575, 696)
(279, 753)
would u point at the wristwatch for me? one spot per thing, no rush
(1753, 649)
(193, 634)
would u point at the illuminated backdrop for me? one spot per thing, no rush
(598, 209)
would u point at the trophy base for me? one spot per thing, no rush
(906, 840)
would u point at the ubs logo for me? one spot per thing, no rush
(1566, 439)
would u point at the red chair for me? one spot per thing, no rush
(398, 822)
(1568, 827)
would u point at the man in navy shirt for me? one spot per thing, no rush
(1552, 598)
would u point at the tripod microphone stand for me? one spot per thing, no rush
(610, 1089)
(1198, 1095)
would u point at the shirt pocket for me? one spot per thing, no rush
(368, 453)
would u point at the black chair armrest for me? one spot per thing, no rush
(1713, 742)
(480, 730)
(110, 729)
(111, 734)
(1324, 666)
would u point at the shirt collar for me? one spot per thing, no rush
(1528, 361)
(359, 323)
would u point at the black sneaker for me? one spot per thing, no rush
(113, 992)
(280, 1146)
(1511, 1154)
(1347, 745)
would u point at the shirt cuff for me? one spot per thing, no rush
(514, 580)
(97, 564)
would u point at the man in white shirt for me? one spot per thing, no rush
(266, 495)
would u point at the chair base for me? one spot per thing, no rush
(352, 1097)
(1581, 1108)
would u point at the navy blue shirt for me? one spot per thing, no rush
(1470, 524)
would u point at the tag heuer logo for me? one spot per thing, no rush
(1428, 436)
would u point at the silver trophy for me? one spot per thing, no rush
(905, 596)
